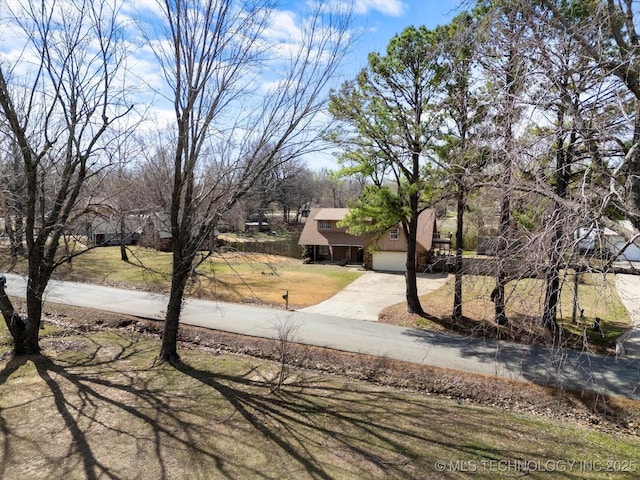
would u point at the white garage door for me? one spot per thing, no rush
(390, 261)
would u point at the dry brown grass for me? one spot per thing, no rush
(598, 298)
(232, 276)
(99, 405)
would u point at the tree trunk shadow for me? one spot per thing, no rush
(243, 402)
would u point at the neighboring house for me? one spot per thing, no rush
(157, 232)
(106, 231)
(149, 230)
(609, 241)
(257, 222)
(326, 242)
(614, 242)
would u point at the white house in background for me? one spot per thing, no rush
(615, 242)
(587, 239)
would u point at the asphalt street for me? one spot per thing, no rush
(574, 370)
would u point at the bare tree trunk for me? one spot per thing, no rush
(168, 350)
(413, 300)
(562, 175)
(15, 324)
(634, 168)
(123, 248)
(498, 295)
(457, 289)
(552, 292)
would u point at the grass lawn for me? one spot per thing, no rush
(232, 277)
(597, 298)
(99, 406)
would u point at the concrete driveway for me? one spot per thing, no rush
(371, 293)
(629, 290)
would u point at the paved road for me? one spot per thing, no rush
(364, 298)
(619, 377)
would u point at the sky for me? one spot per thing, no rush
(380, 20)
(375, 23)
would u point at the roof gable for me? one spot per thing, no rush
(311, 235)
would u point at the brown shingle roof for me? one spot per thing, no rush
(339, 237)
(334, 214)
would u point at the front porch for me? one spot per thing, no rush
(341, 254)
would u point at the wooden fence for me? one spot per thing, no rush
(285, 249)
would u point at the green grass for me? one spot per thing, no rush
(99, 405)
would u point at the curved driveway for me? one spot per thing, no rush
(364, 298)
(615, 376)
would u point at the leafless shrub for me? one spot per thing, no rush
(286, 329)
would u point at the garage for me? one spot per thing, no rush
(389, 261)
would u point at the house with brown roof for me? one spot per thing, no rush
(386, 251)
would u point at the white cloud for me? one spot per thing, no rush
(393, 8)
(283, 27)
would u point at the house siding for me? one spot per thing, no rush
(337, 245)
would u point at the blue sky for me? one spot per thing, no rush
(375, 23)
(380, 20)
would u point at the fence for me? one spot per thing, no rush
(284, 249)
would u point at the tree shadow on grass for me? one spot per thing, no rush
(108, 414)
(81, 391)
(311, 425)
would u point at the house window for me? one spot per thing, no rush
(324, 224)
(393, 234)
(323, 250)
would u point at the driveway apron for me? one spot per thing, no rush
(364, 298)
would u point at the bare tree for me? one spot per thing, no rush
(607, 34)
(505, 69)
(331, 190)
(286, 330)
(12, 182)
(228, 135)
(287, 186)
(59, 98)
(120, 196)
(463, 113)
